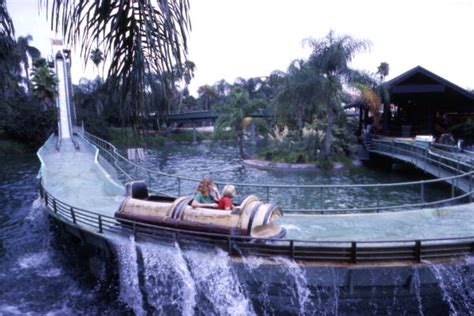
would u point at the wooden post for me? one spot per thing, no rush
(54, 207)
(292, 249)
(321, 202)
(100, 224)
(268, 194)
(378, 199)
(354, 252)
(422, 192)
(179, 186)
(73, 215)
(229, 245)
(418, 250)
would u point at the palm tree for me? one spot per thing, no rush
(7, 31)
(383, 71)
(24, 51)
(188, 74)
(235, 113)
(44, 83)
(140, 37)
(331, 57)
(207, 95)
(97, 57)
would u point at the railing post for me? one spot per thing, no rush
(418, 250)
(292, 248)
(149, 178)
(470, 188)
(354, 252)
(73, 215)
(179, 186)
(452, 188)
(321, 202)
(422, 192)
(135, 230)
(46, 199)
(229, 245)
(100, 224)
(54, 207)
(268, 193)
(378, 199)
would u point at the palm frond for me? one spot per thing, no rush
(138, 37)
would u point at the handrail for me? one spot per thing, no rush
(349, 251)
(111, 153)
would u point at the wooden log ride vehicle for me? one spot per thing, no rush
(251, 218)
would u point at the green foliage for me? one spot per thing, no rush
(464, 130)
(44, 83)
(295, 146)
(139, 38)
(28, 122)
(9, 145)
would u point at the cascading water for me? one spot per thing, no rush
(130, 292)
(456, 283)
(169, 285)
(217, 283)
(302, 291)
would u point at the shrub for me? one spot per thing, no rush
(27, 122)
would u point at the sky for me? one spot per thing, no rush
(252, 38)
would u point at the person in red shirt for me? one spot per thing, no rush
(225, 203)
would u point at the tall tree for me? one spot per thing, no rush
(139, 37)
(7, 30)
(97, 57)
(44, 83)
(331, 57)
(25, 51)
(235, 112)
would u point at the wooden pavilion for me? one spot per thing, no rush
(422, 103)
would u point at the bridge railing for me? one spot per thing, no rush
(323, 199)
(339, 251)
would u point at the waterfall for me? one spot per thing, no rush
(217, 283)
(456, 283)
(302, 291)
(130, 292)
(169, 286)
(416, 288)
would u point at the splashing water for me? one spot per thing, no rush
(170, 289)
(416, 288)
(302, 291)
(216, 281)
(130, 292)
(457, 286)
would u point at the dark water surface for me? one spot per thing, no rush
(39, 275)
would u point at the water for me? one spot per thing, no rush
(43, 271)
(223, 164)
(37, 274)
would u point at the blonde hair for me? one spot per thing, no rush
(229, 191)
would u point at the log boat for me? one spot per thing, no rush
(252, 217)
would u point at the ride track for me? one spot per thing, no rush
(84, 222)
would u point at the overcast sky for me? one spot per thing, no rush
(250, 38)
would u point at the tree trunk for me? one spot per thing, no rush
(240, 139)
(328, 132)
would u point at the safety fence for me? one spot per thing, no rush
(326, 199)
(337, 251)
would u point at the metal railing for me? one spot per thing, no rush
(461, 172)
(378, 251)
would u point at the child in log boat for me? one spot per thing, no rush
(206, 194)
(225, 203)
